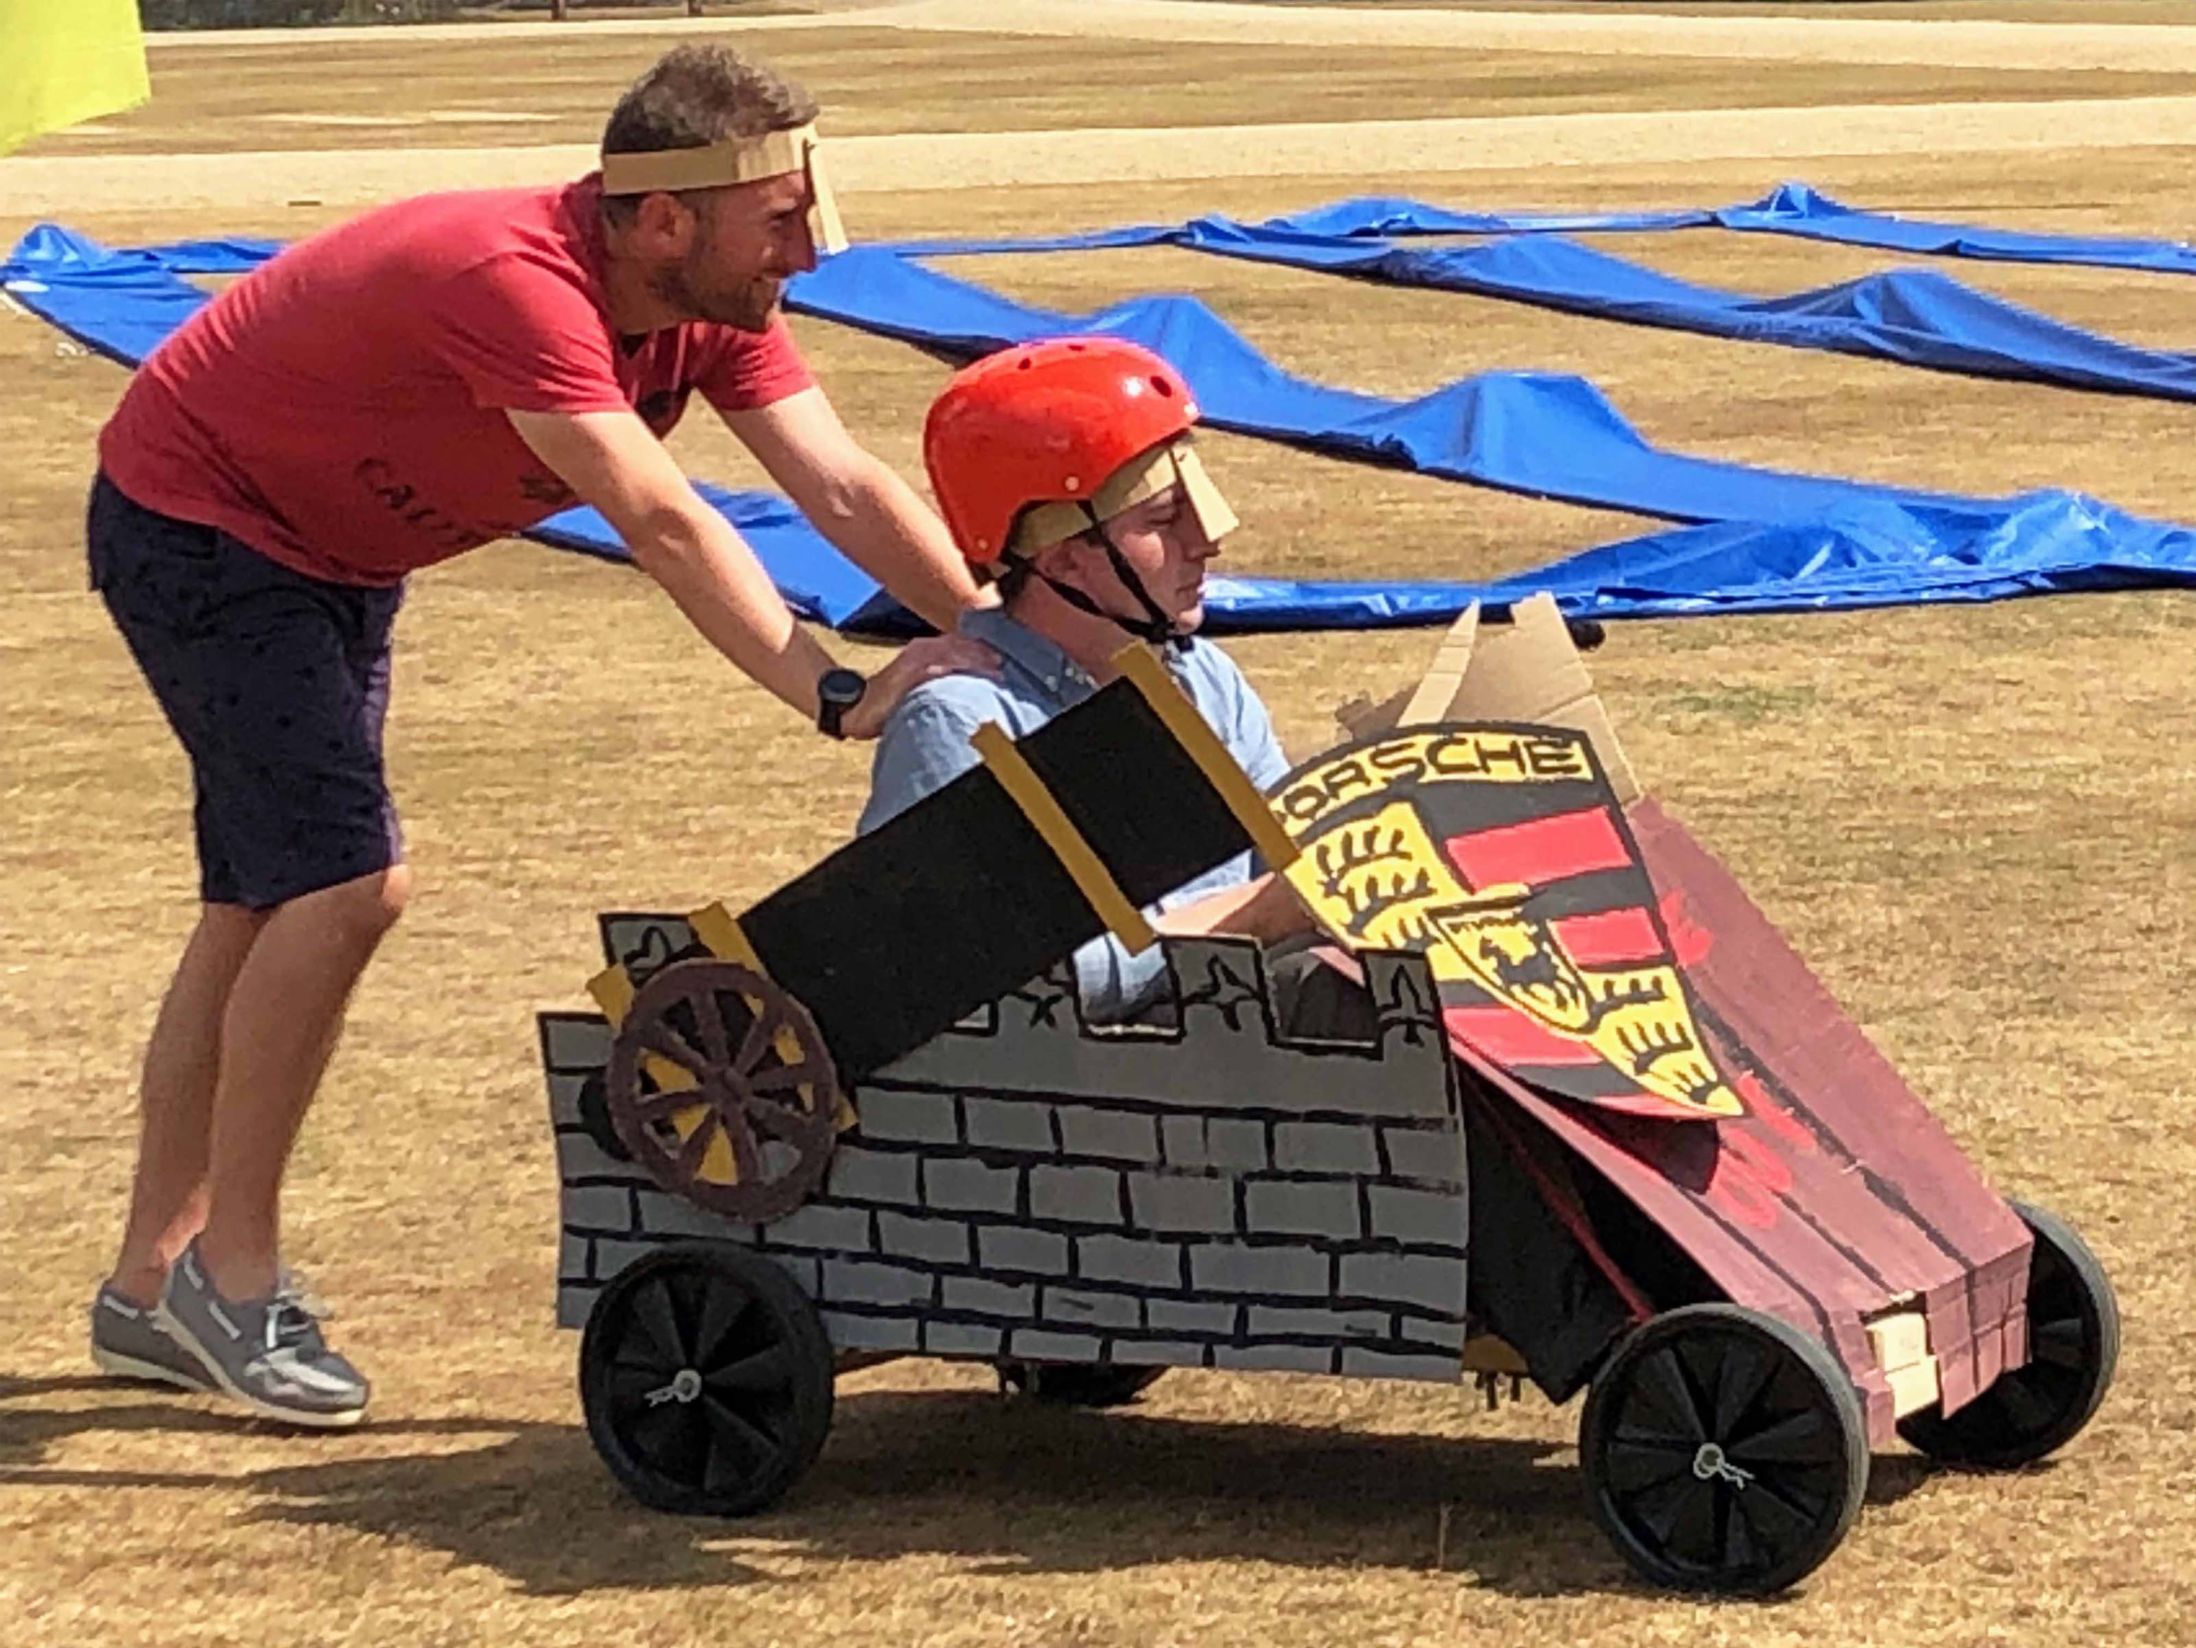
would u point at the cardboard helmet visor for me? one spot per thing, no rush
(730, 161)
(1172, 463)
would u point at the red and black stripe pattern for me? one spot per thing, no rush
(1587, 887)
(1837, 1197)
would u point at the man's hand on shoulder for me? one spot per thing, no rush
(917, 662)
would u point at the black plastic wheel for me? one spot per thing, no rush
(1723, 1450)
(1077, 1384)
(706, 1378)
(2073, 1347)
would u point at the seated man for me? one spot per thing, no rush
(1065, 471)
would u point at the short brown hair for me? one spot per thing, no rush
(698, 95)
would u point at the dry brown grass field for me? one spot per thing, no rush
(2086, 12)
(227, 97)
(1978, 823)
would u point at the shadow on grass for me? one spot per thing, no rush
(1011, 1487)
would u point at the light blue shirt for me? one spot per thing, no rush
(925, 745)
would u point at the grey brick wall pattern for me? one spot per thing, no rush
(1023, 1186)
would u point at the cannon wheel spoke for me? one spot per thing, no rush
(765, 1078)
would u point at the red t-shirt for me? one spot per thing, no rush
(340, 409)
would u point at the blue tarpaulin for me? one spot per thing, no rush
(1779, 542)
(1544, 434)
(1789, 209)
(1795, 209)
(1914, 316)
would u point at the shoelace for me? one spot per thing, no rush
(289, 1324)
(292, 1288)
(294, 1314)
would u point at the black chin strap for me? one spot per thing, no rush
(1155, 628)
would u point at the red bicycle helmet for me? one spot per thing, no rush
(1044, 422)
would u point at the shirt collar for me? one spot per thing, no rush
(1034, 655)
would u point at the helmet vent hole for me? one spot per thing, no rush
(1162, 386)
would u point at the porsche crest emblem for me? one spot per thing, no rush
(1500, 853)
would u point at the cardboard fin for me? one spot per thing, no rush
(1443, 681)
(1527, 670)
(1361, 717)
(1530, 670)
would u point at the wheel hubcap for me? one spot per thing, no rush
(1721, 1457)
(1709, 1464)
(685, 1386)
(701, 1380)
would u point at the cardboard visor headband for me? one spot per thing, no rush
(734, 160)
(1163, 466)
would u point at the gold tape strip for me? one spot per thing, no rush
(1076, 856)
(612, 989)
(710, 166)
(1222, 771)
(727, 940)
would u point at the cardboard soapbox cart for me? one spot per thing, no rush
(865, 1118)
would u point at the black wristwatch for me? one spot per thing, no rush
(837, 691)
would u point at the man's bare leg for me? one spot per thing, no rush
(182, 1062)
(284, 1012)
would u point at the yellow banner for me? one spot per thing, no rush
(65, 61)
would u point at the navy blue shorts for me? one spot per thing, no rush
(276, 683)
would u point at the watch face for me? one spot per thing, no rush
(841, 687)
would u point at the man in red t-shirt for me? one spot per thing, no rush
(432, 376)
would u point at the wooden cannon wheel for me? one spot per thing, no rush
(722, 1089)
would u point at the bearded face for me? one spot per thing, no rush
(707, 284)
(746, 240)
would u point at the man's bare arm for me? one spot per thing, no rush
(614, 462)
(859, 503)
